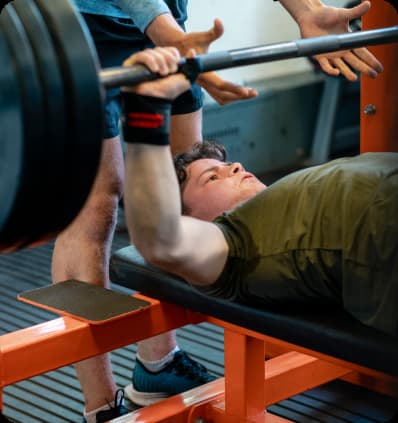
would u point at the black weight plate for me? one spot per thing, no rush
(79, 64)
(11, 134)
(48, 69)
(15, 233)
(53, 167)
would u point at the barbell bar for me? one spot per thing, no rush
(119, 76)
(51, 109)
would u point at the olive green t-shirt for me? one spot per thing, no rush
(326, 234)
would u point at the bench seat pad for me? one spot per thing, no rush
(330, 331)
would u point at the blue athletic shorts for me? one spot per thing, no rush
(115, 40)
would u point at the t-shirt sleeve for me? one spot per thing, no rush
(229, 284)
(143, 12)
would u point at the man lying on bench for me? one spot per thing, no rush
(327, 234)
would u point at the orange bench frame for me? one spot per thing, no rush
(289, 370)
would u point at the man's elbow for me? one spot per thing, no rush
(162, 256)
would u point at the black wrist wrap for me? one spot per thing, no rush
(146, 119)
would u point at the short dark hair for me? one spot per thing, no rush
(200, 150)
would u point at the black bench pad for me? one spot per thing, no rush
(329, 331)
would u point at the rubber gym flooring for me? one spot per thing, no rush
(55, 397)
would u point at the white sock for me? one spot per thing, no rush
(91, 417)
(155, 366)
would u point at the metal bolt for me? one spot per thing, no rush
(369, 109)
(200, 420)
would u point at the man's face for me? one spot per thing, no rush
(213, 187)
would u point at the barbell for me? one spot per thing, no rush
(51, 109)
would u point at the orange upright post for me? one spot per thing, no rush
(379, 97)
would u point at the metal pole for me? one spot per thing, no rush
(115, 77)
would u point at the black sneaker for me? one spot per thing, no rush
(116, 411)
(178, 376)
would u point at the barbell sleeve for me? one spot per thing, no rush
(118, 76)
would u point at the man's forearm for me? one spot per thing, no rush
(164, 31)
(152, 199)
(154, 18)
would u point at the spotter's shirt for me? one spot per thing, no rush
(142, 12)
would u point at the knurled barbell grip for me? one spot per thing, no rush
(330, 43)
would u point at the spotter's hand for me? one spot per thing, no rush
(221, 90)
(327, 20)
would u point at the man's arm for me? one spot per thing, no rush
(315, 19)
(193, 249)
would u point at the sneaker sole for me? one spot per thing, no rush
(144, 398)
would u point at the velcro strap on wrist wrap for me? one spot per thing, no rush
(146, 119)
